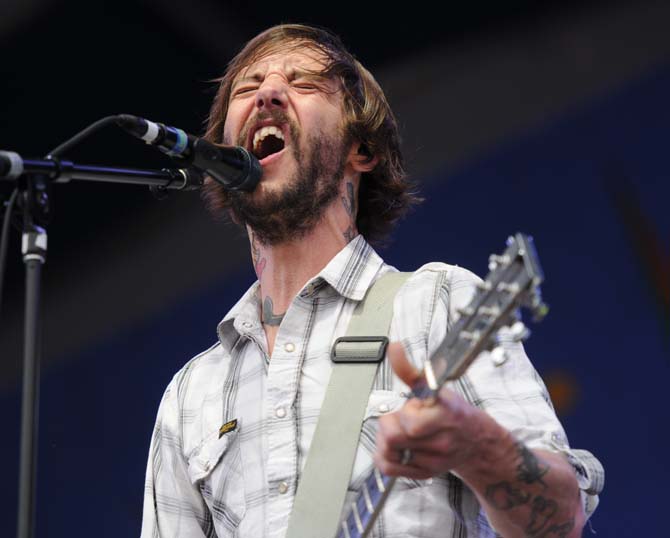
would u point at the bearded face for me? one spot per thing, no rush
(292, 207)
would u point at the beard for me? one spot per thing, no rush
(278, 216)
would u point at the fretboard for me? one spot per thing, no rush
(364, 510)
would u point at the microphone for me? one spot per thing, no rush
(11, 165)
(232, 166)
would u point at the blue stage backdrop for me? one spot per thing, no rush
(593, 190)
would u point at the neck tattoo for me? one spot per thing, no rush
(269, 317)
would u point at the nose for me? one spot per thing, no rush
(271, 94)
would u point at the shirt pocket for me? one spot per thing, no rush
(216, 469)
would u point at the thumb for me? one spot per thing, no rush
(401, 366)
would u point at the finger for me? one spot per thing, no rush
(390, 435)
(438, 443)
(393, 468)
(419, 420)
(404, 369)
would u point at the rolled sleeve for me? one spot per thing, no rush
(512, 393)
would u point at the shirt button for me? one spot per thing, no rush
(280, 412)
(247, 324)
(289, 348)
(283, 487)
(383, 408)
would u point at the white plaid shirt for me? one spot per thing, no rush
(243, 482)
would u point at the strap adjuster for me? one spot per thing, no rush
(359, 349)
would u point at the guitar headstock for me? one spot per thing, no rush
(492, 315)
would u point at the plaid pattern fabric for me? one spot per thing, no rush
(202, 480)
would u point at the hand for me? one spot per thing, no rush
(448, 435)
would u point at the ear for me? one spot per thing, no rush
(360, 158)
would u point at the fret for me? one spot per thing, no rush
(345, 530)
(363, 511)
(357, 517)
(366, 497)
(380, 481)
(352, 528)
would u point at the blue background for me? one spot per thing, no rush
(606, 337)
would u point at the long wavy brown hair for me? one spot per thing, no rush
(385, 194)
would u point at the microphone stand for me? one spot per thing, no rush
(34, 184)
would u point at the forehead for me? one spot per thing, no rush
(294, 58)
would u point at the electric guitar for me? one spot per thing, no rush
(513, 282)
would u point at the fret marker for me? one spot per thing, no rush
(380, 482)
(366, 497)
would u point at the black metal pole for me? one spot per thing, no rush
(34, 256)
(34, 179)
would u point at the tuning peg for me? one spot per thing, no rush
(489, 311)
(505, 287)
(495, 260)
(499, 356)
(465, 311)
(484, 285)
(518, 331)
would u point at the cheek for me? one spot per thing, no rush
(233, 124)
(231, 131)
(227, 138)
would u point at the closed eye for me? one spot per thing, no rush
(305, 86)
(244, 90)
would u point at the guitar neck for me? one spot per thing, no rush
(513, 281)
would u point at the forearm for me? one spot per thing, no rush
(525, 493)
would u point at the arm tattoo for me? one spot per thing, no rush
(506, 496)
(542, 511)
(558, 531)
(269, 317)
(530, 470)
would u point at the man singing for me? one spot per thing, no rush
(235, 425)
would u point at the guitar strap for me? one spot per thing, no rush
(318, 503)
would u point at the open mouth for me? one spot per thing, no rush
(267, 141)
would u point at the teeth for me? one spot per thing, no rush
(266, 131)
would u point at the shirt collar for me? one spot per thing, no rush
(353, 269)
(350, 273)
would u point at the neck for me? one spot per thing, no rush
(283, 269)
